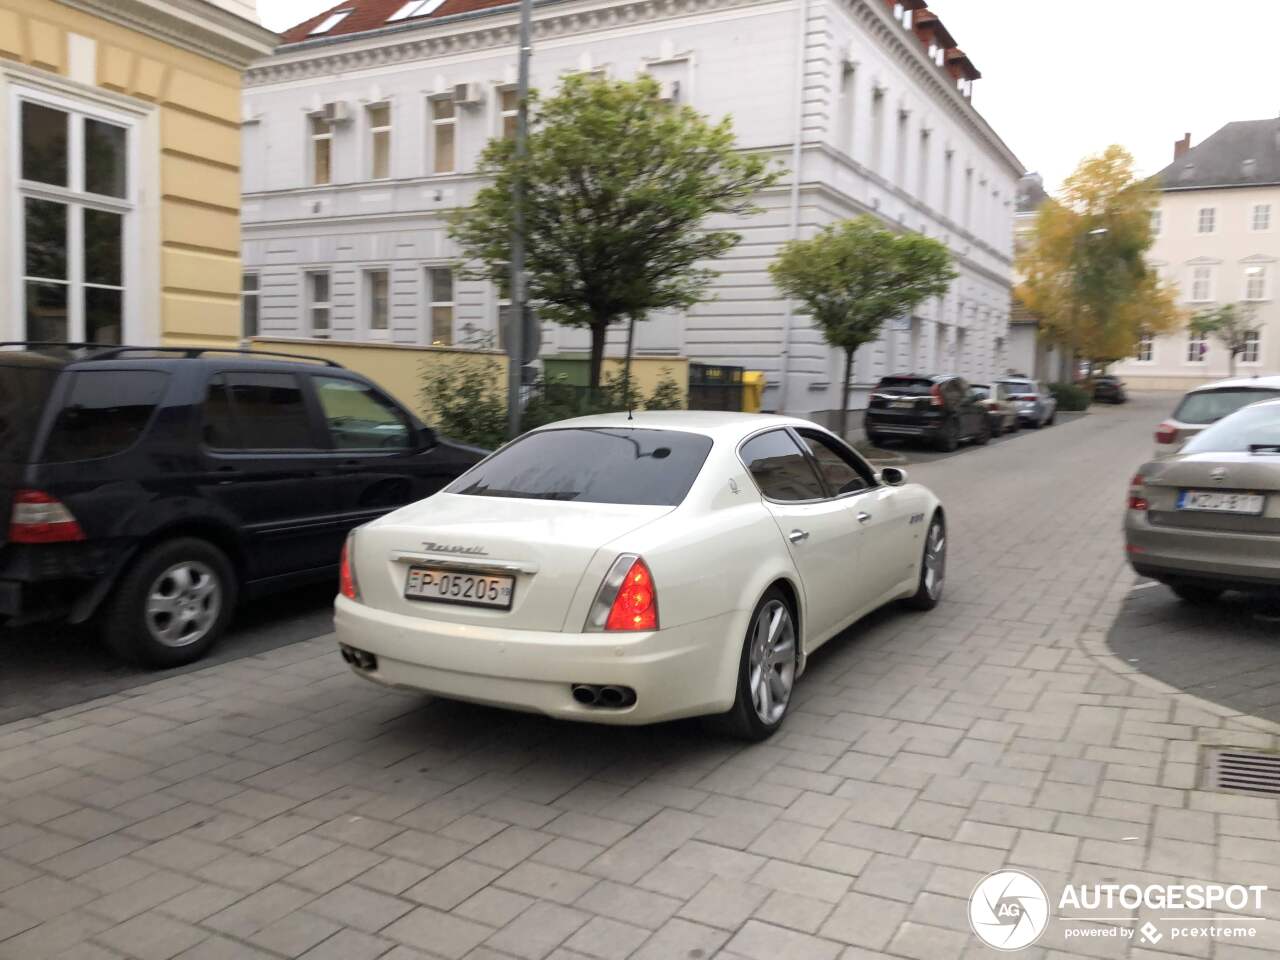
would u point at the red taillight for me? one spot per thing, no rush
(347, 582)
(935, 396)
(635, 605)
(1166, 433)
(1136, 500)
(40, 518)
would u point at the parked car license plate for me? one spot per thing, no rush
(449, 586)
(1216, 501)
(903, 403)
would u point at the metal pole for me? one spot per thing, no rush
(519, 290)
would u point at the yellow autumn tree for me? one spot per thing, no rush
(1085, 273)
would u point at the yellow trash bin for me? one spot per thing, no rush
(752, 390)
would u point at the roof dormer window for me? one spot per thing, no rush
(415, 8)
(329, 22)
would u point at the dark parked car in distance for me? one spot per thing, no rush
(941, 409)
(149, 488)
(1109, 389)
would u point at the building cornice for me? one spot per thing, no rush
(194, 25)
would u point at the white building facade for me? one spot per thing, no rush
(359, 145)
(1217, 241)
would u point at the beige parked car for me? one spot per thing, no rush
(1207, 519)
(1001, 411)
(1209, 404)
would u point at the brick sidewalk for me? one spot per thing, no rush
(277, 806)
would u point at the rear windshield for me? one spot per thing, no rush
(592, 465)
(105, 413)
(1016, 389)
(905, 386)
(24, 389)
(1238, 433)
(1210, 406)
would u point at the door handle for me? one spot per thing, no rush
(795, 536)
(863, 517)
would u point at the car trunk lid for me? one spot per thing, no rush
(545, 545)
(1242, 473)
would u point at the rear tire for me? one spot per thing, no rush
(1053, 417)
(1197, 595)
(766, 670)
(997, 428)
(933, 567)
(875, 439)
(984, 434)
(172, 604)
(949, 437)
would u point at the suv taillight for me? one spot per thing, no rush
(348, 585)
(627, 599)
(935, 396)
(40, 518)
(1166, 433)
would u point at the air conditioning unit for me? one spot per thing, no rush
(336, 112)
(468, 94)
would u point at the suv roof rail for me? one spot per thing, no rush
(110, 350)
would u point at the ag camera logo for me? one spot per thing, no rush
(1008, 910)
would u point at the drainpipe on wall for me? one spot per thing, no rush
(789, 308)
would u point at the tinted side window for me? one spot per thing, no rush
(842, 473)
(256, 411)
(780, 468)
(105, 413)
(360, 418)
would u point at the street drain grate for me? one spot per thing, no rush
(1244, 771)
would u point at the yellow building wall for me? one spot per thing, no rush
(198, 100)
(648, 372)
(400, 369)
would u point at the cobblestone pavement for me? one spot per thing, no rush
(277, 806)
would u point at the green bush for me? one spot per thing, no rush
(1070, 396)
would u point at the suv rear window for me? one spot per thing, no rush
(1210, 406)
(1250, 427)
(592, 465)
(906, 386)
(105, 413)
(24, 390)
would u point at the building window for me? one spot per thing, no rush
(1201, 284)
(321, 150)
(74, 194)
(1206, 219)
(1146, 348)
(249, 305)
(319, 304)
(1197, 347)
(968, 198)
(1157, 221)
(948, 162)
(505, 313)
(1255, 283)
(508, 107)
(1252, 344)
(416, 8)
(444, 122)
(440, 305)
(877, 129)
(1261, 216)
(380, 141)
(845, 108)
(900, 162)
(922, 167)
(376, 284)
(329, 22)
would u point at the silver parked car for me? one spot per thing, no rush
(1209, 404)
(1037, 406)
(1208, 518)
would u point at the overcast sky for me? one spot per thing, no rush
(1065, 78)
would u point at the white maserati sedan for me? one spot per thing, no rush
(632, 569)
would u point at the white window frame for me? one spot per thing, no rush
(1265, 210)
(415, 8)
(1146, 350)
(1210, 221)
(501, 115)
(329, 22)
(366, 301)
(136, 323)
(311, 305)
(373, 130)
(256, 296)
(429, 299)
(1208, 284)
(1157, 221)
(1252, 353)
(313, 138)
(1264, 282)
(433, 125)
(1192, 340)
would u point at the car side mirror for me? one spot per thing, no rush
(427, 438)
(893, 476)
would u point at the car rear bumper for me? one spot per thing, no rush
(55, 580)
(892, 427)
(1228, 559)
(682, 671)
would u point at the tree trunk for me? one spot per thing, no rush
(1231, 363)
(843, 421)
(599, 331)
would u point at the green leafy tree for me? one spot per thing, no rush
(854, 276)
(1231, 325)
(618, 185)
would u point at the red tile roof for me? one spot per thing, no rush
(373, 14)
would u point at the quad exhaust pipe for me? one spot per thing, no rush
(606, 696)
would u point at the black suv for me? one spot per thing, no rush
(153, 487)
(939, 409)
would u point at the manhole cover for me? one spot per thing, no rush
(1244, 771)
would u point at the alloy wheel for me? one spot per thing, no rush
(935, 560)
(183, 604)
(772, 661)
